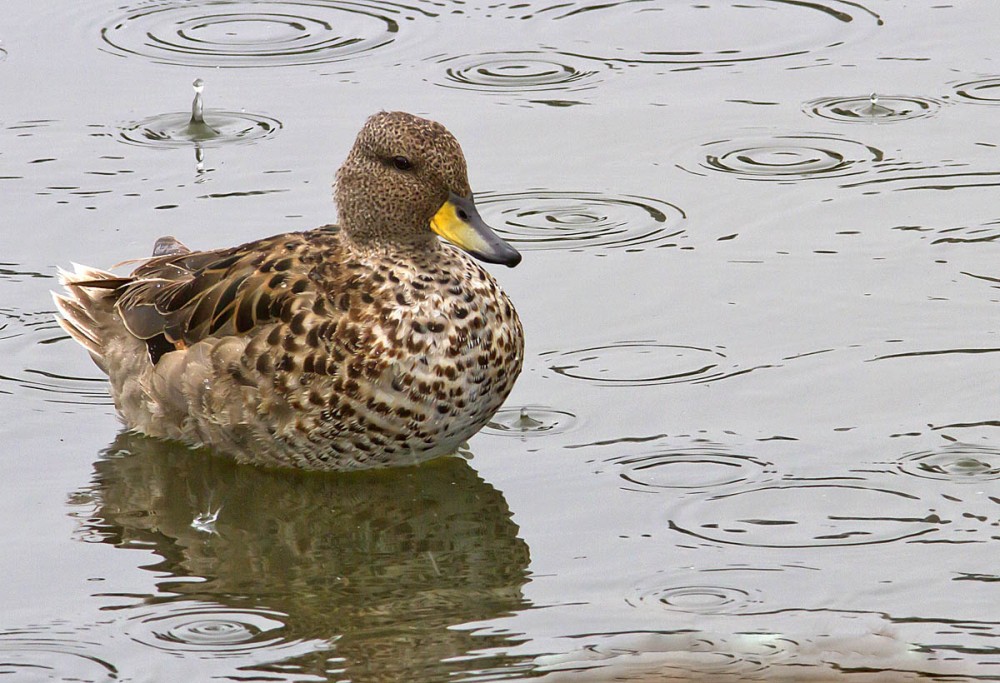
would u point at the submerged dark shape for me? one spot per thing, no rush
(380, 565)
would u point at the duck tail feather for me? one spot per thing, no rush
(79, 308)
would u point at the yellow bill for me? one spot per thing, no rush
(459, 222)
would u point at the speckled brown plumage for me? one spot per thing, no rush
(368, 344)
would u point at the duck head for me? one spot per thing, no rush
(404, 181)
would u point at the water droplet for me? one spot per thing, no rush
(872, 108)
(183, 129)
(530, 421)
(205, 521)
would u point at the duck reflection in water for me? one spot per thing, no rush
(381, 564)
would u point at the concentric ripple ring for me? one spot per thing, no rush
(956, 462)
(530, 421)
(636, 364)
(868, 109)
(789, 157)
(220, 127)
(984, 91)
(541, 219)
(208, 628)
(695, 599)
(243, 33)
(525, 71)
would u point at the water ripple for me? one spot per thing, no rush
(27, 656)
(220, 127)
(695, 599)
(700, 34)
(210, 630)
(788, 157)
(538, 220)
(868, 109)
(785, 645)
(956, 462)
(530, 421)
(699, 468)
(527, 71)
(23, 335)
(719, 33)
(636, 364)
(14, 272)
(974, 234)
(806, 515)
(983, 91)
(242, 33)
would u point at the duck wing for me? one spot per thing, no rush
(183, 297)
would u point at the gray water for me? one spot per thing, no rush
(756, 437)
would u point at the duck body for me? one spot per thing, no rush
(342, 347)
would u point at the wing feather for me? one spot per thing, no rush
(183, 297)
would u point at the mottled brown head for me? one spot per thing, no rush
(404, 180)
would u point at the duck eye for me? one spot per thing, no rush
(402, 163)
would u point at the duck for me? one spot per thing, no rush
(378, 341)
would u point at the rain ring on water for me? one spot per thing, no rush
(183, 129)
(636, 364)
(788, 158)
(872, 108)
(695, 599)
(805, 515)
(24, 330)
(956, 462)
(209, 629)
(528, 71)
(530, 421)
(242, 33)
(219, 128)
(696, 468)
(540, 220)
(38, 656)
(983, 91)
(691, 35)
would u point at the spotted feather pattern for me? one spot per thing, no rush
(368, 344)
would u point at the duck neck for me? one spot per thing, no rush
(375, 238)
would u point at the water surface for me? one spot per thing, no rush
(756, 437)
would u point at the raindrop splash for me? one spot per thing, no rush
(530, 421)
(197, 128)
(956, 462)
(205, 521)
(180, 129)
(872, 108)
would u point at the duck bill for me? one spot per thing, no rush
(459, 222)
